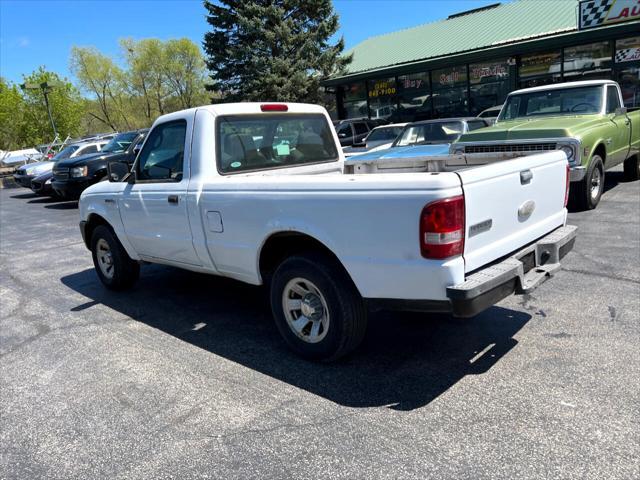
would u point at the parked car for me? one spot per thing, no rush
(586, 120)
(41, 184)
(72, 176)
(491, 113)
(203, 197)
(354, 130)
(378, 139)
(425, 138)
(25, 174)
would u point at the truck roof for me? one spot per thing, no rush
(555, 86)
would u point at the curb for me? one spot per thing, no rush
(8, 182)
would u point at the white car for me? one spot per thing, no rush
(26, 173)
(203, 196)
(379, 138)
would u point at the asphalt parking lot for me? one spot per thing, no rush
(186, 377)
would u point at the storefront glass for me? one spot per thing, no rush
(489, 85)
(540, 69)
(355, 100)
(627, 50)
(382, 97)
(588, 62)
(414, 97)
(450, 92)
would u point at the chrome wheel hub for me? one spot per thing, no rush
(596, 182)
(105, 258)
(305, 310)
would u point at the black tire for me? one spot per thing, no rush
(125, 271)
(347, 314)
(632, 168)
(581, 195)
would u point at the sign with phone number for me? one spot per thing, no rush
(382, 89)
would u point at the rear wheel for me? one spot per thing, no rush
(114, 267)
(317, 308)
(586, 194)
(632, 168)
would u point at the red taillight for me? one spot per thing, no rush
(566, 190)
(273, 107)
(442, 228)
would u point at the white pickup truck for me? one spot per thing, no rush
(259, 193)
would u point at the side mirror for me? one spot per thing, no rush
(117, 171)
(342, 135)
(136, 149)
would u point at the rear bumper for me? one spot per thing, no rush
(520, 273)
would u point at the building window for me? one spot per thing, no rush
(414, 97)
(588, 62)
(489, 85)
(540, 69)
(450, 92)
(382, 97)
(355, 100)
(629, 80)
(628, 50)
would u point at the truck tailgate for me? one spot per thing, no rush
(510, 204)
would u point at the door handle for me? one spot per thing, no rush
(173, 198)
(627, 121)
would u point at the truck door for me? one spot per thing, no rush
(618, 133)
(154, 208)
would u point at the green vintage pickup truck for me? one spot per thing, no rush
(587, 120)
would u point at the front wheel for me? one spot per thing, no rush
(317, 308)
(114, 267)
(586, 194)
(632, 168)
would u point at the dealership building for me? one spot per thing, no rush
(470, 61)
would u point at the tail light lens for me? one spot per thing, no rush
(442, 228)
(566, 190)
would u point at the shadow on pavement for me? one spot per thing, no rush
(63, 205)
(405, 362)
(25, 195)
(612, 179)
(43, 199)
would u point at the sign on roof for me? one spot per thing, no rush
(598, 13)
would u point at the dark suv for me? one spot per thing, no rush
(353, 130)
(72, 176)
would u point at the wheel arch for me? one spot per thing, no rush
(93, 220)
(280, 245)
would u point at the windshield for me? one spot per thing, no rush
(561, 101)
(433, 132)
(66, 152)
(384, 133)
(120, 143)
(260, 142)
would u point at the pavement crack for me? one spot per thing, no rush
(601, 275)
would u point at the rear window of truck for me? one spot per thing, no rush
(266, 141)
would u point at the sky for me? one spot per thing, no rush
(42, 32)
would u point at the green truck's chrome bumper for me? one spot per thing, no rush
(577, 174)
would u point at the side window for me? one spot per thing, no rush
(613, 102)
(162, 156)
(345, 131)
(360, 128)
(474, 125)
(89, 149)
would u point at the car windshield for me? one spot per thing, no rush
(120, 143)
(66, 152)
(432, 132)
(560, 101)
(260, 142)
(384, 133)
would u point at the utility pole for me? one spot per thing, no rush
(46, 87)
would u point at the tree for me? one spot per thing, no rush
(23, 114)
(100, 76)
(184, 69)
(146, 76)
(275, 50)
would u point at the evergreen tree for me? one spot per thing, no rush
(272, 50)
